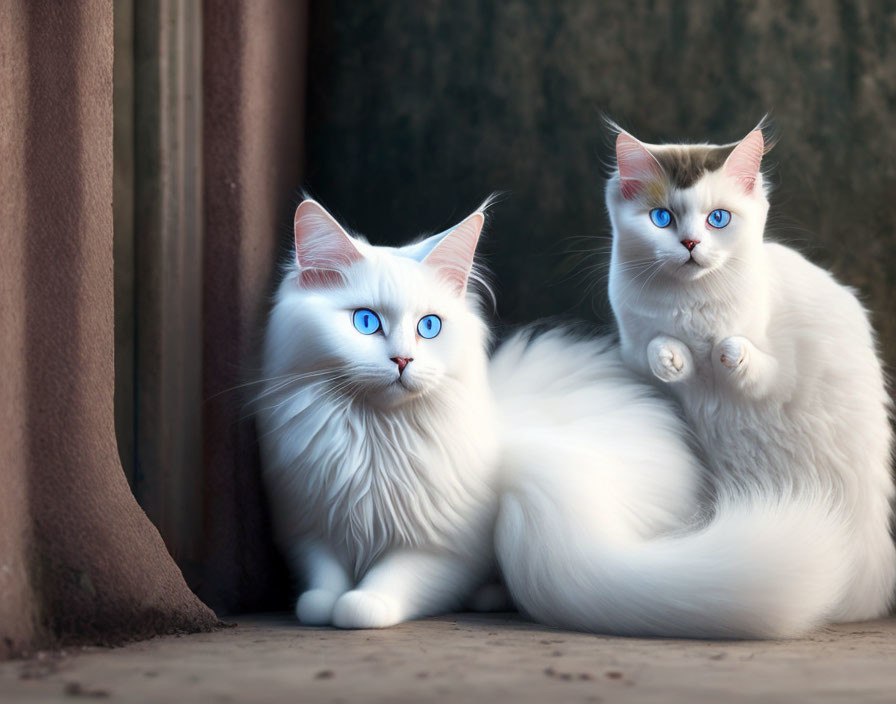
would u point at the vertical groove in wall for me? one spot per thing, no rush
(168, 245)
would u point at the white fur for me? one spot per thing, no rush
(381, 484)
(774, 363)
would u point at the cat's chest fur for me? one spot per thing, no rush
(366, 481)
(739, 434)
(695, 323)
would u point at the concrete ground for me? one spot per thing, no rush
(462, 658)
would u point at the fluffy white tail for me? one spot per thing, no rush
(760, 569)
(599, 482)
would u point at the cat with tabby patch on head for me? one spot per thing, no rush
(775, 365)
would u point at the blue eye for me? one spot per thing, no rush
(719, 218)
(429, 326)
(366, 321)
(660, 217)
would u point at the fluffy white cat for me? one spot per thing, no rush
(380, 437)
(377, 424)
(774, 364)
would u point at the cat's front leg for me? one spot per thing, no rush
(405, 585)
(745, 366)
(669, 359)
(326, 579)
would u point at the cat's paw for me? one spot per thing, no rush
(669, 359)
(732, 351)
(315, 607)
(365, 609)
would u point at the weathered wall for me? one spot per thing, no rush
(79, 560)
(253, 94)
(418, 110)
(17, 599)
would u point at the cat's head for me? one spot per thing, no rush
(687, 209)
(386, 324)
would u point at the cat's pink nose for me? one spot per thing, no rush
(690, 244)
(402, 362)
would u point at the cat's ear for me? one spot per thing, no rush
(452, 256)
(743, 163)
(323, 249)
(637, 166)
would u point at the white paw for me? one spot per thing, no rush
(732, 351)
(315, 607)
(363, 609)
(669, 359)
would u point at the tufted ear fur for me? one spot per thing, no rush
(323, 249)
(743, 163)
(453, 256)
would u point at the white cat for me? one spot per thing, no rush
(774, 363)
(377, 424)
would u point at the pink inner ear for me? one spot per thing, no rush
(637, 166)
(743, 163)
(453, 256)
(323, 249)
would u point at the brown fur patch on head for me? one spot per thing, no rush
(655, 193)
(685, 164)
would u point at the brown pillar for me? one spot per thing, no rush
(79, 561)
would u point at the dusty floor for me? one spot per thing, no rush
(463, 658)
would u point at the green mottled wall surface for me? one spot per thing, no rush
(418, 110)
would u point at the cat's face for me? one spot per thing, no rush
(386, 324)
(683, 211)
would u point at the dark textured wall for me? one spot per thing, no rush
(418, 110)
(253, 95)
